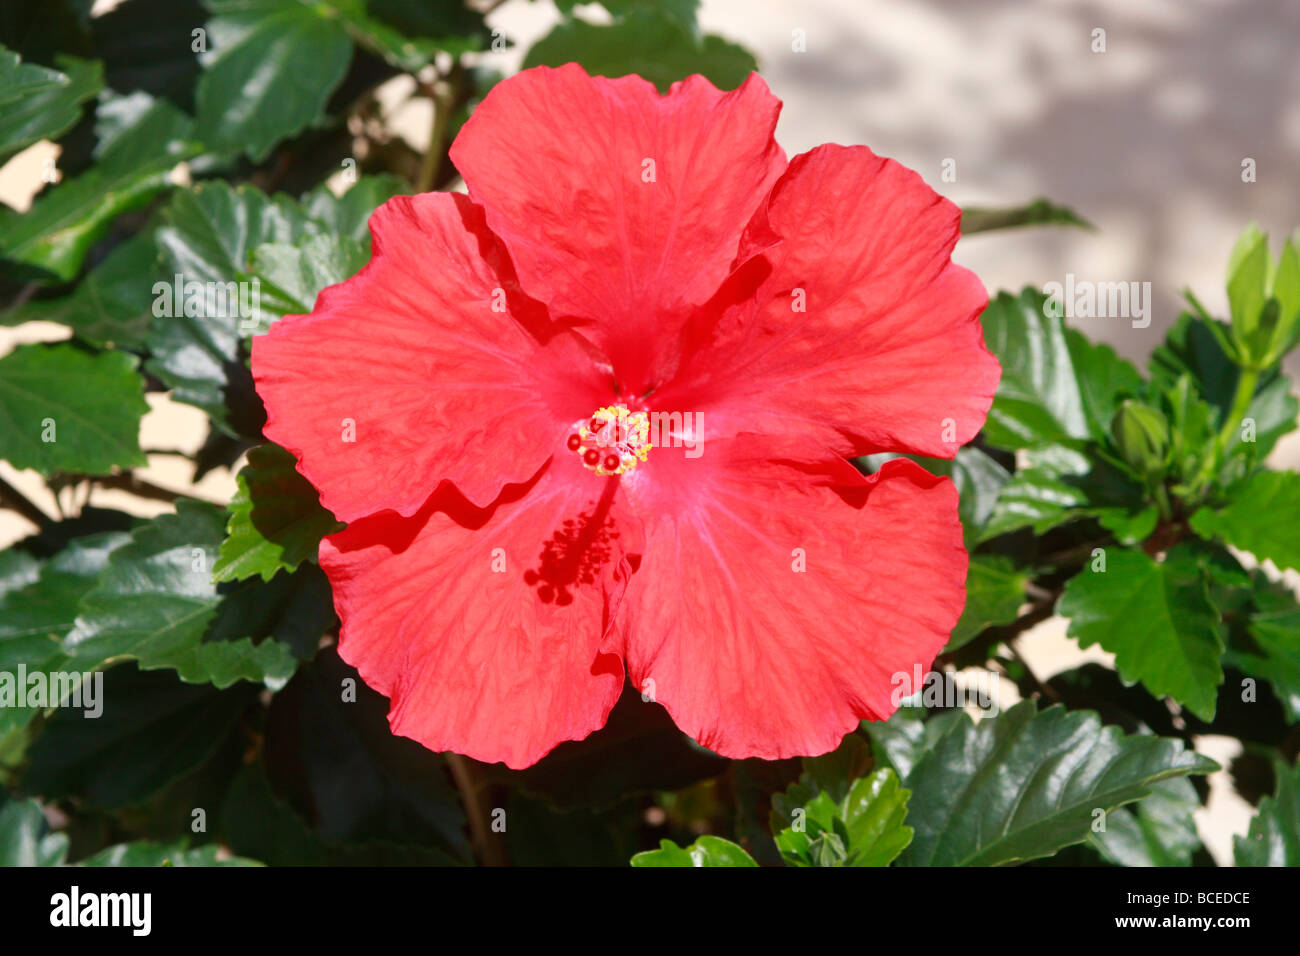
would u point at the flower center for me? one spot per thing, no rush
(613, 441)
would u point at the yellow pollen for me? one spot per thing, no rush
(613, 441)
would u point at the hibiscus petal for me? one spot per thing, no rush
(887, 353)
(427, 365)
(562, 161)
(484, 626)
(754, 658)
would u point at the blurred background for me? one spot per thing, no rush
(1143, 129)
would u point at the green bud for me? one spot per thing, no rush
(1141, 435)
(1264, 298)
(1190, 429)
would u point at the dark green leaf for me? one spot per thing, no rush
(455, 26)
(1158, 831)
(1059, 484)
(995, 589)
(1194, 347)
(1275, 657)
(269, 71)
(1024, 784)
(292, 276)
(1260, 517)
(145, 140)
(1156, 618)
(208, 237)
(63, 409)
(276, 520)
(35, 617)
(1105, 380)
(112, 305)
(1056, 385)
(683, 12)
(153, 729)
(644, 42)
(149, 45)
(156, 603)
(348, 216)
(409, 53)
(41, 29)
(902, 740)
(259, 825)
(38, 103)
(352, 777)
(1038, 399)
(1274, 835)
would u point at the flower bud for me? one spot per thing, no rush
(1141, 435)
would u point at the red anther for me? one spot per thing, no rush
(574, 442)
(596, 424)
(591, 456)
(612, 462)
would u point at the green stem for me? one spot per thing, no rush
(444, 101)
(1247, 381)
(488, 849)
(1246, 384)
(1162, 500)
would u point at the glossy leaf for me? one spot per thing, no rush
(270, 68)
(37, 615)
(208, 237)
(156, 603)
(1157, 831)
(292, 276)
(864, 829)
(1024, 784)
(706, 851)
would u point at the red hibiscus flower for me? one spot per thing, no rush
(596, 416)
